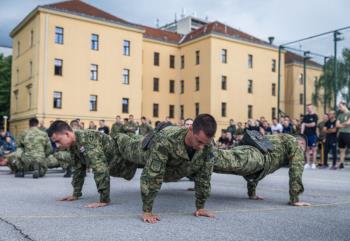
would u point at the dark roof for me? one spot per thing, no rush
(291, 57)
(220, 28)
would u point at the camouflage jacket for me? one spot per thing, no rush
(92, 149)
(167, 160)
(130, 128)
(144, 129)
(35, 143)
(116, 128)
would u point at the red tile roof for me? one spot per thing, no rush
(291, 57)
(220, 28)
(79, 7)
(161, 35)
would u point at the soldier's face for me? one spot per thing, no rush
(63, 139)
(199, 140)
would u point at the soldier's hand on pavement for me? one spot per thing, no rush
(203, 213)
(69, 198)
(96, 205)
(150, 218)
(256, 197)
(300, 204)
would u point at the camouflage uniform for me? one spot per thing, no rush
(94, 149)
(168, 160)
(34, 147)
(116, 128)
(130, 128)
(249, 162)
(144, 129)
(59, 159)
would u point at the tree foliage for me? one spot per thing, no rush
(5, 84)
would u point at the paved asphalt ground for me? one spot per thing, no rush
(29, 210)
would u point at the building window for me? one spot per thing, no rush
(250, 61)
(197, 83)
(301, 79)
(15, 93)
(273, 113)
(126, 47)
(29, 89)
(155, 110)
(250, 111)
(18, 48)
(125, 105)
(126, 76)
(172, 61)
(171, 111)
(94, 72)
(156, 59)
(93, 102)
(57, 100)
(182, 61)
(94, 41)
(197, 57)
(59, 35)
(224, 82)
(301, 99)
(223, 109)
(155, 84)
(250, 86)
(273, 65)
(30, 69)
(58, 67)
(273, 89)
(224, 56)
(182, 87)
(182, 112)
(172, 86)
(196, 106)
(31, 38)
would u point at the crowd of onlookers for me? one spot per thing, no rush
(321, 137)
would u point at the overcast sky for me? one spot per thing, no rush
(285, 20)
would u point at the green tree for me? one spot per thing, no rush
(5, 84)
(326, 80)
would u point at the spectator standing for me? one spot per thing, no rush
(343, 123)
(103, 128)
(330, 131)
(309, 126)
(276, 127)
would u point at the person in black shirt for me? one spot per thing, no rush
(103, 128)
(330, 130)
(308, 128)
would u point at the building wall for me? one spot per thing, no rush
(24, 75)
(163, 97)
(294, 88)
(75, 83)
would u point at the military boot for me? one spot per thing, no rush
(255, 139)
(19, 174)
(36, 170)
(68, 172)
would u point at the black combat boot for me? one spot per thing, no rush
(255, 139)
(19, 174)
(36, 174)
(68, 172)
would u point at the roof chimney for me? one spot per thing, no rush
(271, 39)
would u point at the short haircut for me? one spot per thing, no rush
(188, 119)
(102, 121)
(76, 122)
(205, 123)
(143, 118)
(33, 122)
(342, 102)
(57, 127)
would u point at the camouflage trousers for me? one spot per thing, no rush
(18, 161)
(21, 161)
(128, 156)
(250, 163)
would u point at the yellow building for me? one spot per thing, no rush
(294, 82)
(72, 60)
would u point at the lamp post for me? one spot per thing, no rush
(306, 58)
(5, 122)
(336, 38)
(324, 86)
